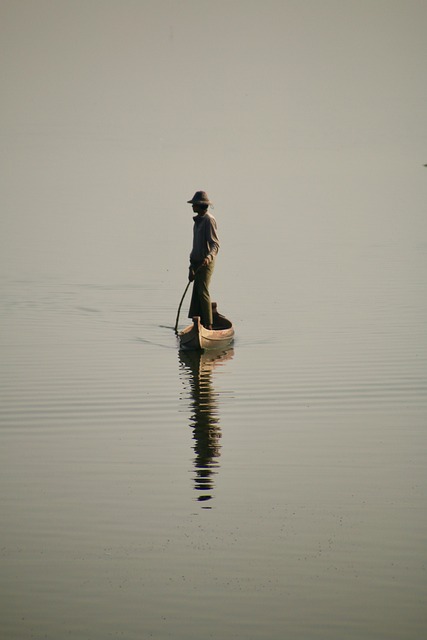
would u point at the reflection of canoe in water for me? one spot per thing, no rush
(199, 363)
(197, 337)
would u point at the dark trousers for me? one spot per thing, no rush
(200, 304)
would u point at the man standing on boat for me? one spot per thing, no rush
(202, 258)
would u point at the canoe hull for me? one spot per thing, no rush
(196, 338)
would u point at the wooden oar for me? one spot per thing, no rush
(180, 305)
(182, 300)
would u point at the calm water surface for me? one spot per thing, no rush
(274, 490)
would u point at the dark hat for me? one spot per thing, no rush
(200, 197)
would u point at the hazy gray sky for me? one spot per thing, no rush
(309, 114)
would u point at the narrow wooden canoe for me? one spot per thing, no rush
(197, 337)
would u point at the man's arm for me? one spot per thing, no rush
(212, 240)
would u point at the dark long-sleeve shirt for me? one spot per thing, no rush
(205, 238)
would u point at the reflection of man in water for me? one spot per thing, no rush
(202, 258)
(204, 419)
